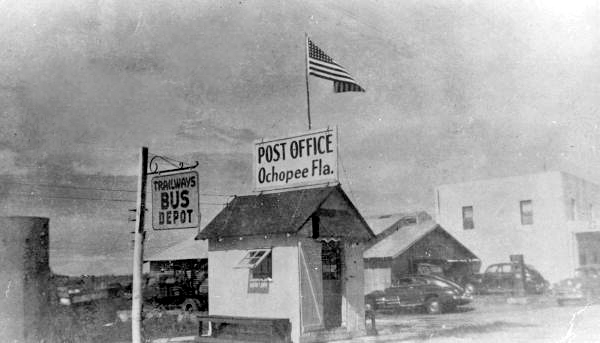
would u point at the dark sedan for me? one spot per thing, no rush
(584, 287)
(501, 278)
(433, 293)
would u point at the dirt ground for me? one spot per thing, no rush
(487, 319)
(494, 320)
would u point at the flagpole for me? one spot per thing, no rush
(306, 74)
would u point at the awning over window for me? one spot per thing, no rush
(253, 258)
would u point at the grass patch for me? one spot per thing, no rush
(97, 322)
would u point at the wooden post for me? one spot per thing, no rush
(138, 251)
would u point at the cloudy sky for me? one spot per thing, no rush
(456, 90)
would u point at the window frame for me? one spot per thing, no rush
(572, 209)
(264, 275)
(526, 217)
(468, 222)
(250, 260)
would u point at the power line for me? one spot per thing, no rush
(92, 199)
(68, 187)
(66, 197)
(98, 188)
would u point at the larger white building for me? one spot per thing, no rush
(551, 218)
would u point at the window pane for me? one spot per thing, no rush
(467, 212)
(264, 269)
(252, 258)
(526, 212)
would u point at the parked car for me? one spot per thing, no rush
(433, 293)
(500, 278)
(584, 287)
(458, 273)
(429, 269)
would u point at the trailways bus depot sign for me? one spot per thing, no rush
(304, 159)
(175, 201)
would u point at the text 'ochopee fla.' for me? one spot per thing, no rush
(303, 159)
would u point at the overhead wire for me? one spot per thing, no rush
(69, 187)
(89, 198)
(97, 188)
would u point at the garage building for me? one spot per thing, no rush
(420, 246)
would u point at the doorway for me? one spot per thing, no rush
(331, 261)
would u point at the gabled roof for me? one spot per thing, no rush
(276, 213)
(401, 240)
(380, 223)
(190, 249)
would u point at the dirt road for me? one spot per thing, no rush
(494, 322)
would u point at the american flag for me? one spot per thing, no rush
(323, 66)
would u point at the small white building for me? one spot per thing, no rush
(292, 257)
(551, 218)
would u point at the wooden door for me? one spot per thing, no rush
(331, 259)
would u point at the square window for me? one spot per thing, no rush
(572, 209)
(260, 263)
(526, 212)
(264, 269)
(467, 215)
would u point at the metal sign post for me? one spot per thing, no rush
(180, 205)
(138, 251)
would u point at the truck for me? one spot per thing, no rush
(178, 285)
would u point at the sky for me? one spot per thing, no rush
(455, 91)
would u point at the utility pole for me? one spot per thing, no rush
(138, 250)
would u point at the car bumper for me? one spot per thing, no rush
(462, 299)
(569, 296)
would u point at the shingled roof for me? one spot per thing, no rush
(274, 213)
(405, 237)
(189, 249)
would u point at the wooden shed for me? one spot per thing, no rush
(290, 257)
(179, 275)
(410, 248)
(179, 256)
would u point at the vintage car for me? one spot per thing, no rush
(500, 278)
(584, 287)
(433, 293)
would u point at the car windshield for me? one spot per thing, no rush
(492, 269)
(443, 282)
(439, 283)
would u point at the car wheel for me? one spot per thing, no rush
(433, 306)
(190, 305)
